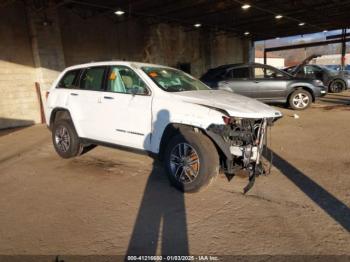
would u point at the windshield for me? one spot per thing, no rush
(332, 70)
(172, 80)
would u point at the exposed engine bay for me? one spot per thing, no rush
(244, 139)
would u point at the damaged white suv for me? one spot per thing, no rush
(160, 110)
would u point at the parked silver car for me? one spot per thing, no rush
(265, 83)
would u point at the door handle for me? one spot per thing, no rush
(108, 97)
(73, 94)
(256, 81)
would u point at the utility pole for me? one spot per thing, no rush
(343, 48)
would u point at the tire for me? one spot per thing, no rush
(200, 151)
(336, 86)
(300, 99)
(65, 139)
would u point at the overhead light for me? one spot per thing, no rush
(301, 23)
(197, 25)
(119, 12)
(246, 33)
(278, 16)
(277, 38)
(246, 6)
(325, 31)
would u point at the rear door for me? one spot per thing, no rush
(271, 83)
(238, 79)
(84, 102)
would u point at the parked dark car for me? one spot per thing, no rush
(346, 68)
(265, 83)
(336, 81)
(334, 67)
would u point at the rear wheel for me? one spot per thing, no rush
(65, 139)
(337, 86)
(191, 161)
(300, 99)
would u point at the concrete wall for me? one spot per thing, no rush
(31, 51)
(18, 100)
(228, 50)
(98, 39)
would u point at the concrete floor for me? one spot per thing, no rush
(111, 202)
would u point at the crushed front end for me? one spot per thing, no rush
(242, 141)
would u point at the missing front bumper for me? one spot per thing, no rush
(242, 144)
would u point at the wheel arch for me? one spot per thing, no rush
(338, 79)
(59, 113)
(302, 87)
(173, 129)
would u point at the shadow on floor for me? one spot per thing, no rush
(161, 219)
(338, 101)
(336, 209)
(12, 125)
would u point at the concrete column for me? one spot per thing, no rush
(45, 34)
(248, 51)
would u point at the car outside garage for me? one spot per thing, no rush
(109, 203)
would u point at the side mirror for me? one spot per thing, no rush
(135, 90)
(138, 90)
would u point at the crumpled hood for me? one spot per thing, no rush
(233, 104)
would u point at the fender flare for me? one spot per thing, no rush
(53, 115)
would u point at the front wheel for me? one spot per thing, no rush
(300, 99)
(191, 161)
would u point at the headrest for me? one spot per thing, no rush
(127, 81)
(112, 76)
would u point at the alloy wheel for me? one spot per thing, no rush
(184, 163)
(301, 100)
(62, 139)
(337, 86)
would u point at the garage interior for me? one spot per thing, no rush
(39, 38)
(109, 201)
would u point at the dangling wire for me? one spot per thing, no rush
(271, 153)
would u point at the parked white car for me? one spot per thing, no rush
(160, 110)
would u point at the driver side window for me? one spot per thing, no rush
(122, 79)
(266, 73)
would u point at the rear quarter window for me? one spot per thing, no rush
(69, 79)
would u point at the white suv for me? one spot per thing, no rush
(160, 110)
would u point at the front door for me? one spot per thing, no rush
(126, 109)
(272, 84)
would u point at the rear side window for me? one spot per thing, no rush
(93, 78)
(69, 79)
(239, 73)
(212, 74)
